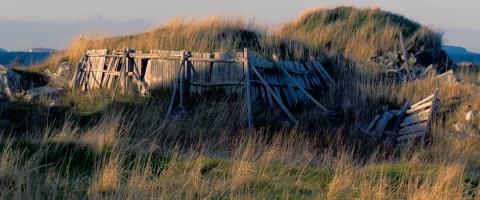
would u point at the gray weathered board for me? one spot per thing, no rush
(418, 119)
(225, 70)
(407, 124)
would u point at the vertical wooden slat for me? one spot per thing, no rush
(248, 102)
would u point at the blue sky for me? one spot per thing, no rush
(52, 23)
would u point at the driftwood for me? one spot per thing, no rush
(410, 122)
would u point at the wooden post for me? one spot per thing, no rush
(433, 110)
(247, 85)
(172, 99)
(122, 78)
(182, 76)
(189, 72)
(75, 79)
(405, 56)
(119, 80)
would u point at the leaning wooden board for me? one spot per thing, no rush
(94, 65)
(419, 118)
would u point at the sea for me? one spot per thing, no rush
(24, 59)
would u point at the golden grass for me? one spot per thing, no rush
(358, 33)
(134, 152)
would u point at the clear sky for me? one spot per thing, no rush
(51, 23)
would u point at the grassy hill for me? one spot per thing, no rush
(359, 33)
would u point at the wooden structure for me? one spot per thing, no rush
(418, 119)
(404, 125)
(276, 83)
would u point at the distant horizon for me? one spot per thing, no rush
(35, 24)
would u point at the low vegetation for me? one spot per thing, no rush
(128, 149)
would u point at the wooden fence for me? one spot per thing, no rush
(276, 83)
(418, 119)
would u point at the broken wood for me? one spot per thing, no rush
(303, 90)
(413, 128)
(275, 97)
(400, 116)
(419, 107)
(381, 125)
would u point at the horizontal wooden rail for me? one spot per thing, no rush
(225, 83)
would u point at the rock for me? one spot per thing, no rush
(60, 77)
(47, 72)
(459, 127)
(438, 58)
(42, 93)
(9, 83)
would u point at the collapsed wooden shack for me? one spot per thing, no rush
(404, 125)
(275, 83)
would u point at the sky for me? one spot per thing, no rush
(53, 23)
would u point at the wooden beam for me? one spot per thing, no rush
(302, 89)
(118, 81)
(419, 108)
(75, 80)
(433, 110)
(303, 73)
(215, 60)
(189, 74)
(382, 124)
(405, 56)
(400, 116)
(223, 83)
(327, 78)
(275, 97)
(414, 128)
(416, 118)
(172, 99)
(248, 103)
(423, 101)
(410, 136)
(182, 77)
(372, 123)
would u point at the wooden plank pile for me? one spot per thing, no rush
(405, 125)
(275, 83)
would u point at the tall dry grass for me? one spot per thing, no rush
(137, 153)
(132, 151)
(358, 33)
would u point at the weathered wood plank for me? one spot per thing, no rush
(400, 116)
(413, 128)
(323, 108)
(410, 136)
(275, 97)
(381, 125)
(429, 98)
(419, 108)
(374, 121)
(328, 79)
(248, 102)
(416, 118)
(95, 63)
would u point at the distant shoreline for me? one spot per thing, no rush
(24, 59)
